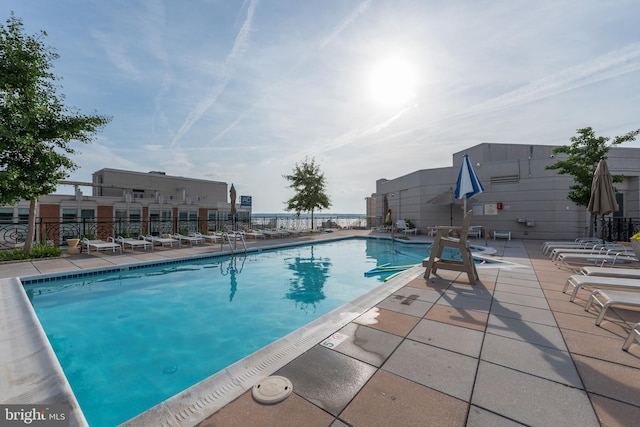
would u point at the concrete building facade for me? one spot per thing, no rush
(521, 196)
(146, 202)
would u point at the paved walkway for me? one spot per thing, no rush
(510, 351)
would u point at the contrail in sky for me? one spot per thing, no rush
(240, 46)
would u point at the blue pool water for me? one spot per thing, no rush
(131, 339)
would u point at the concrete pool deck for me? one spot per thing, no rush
(511, 350)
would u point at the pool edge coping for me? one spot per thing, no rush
(231, 378)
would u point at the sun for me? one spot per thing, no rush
(392, 82)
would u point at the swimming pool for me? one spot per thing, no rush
(130, 339)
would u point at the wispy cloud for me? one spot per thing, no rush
(240, 46)
(604, 67)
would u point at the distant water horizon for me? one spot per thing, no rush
(308, 215)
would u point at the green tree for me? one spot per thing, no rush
(36, 128)
(309, 184)
(583, 155)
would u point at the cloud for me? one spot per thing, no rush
(240, 46)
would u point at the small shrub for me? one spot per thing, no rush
(13, 255)
(44, 251)
(38, 250)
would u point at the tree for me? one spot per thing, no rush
(35, 127)
(583, 155)
(309, 184)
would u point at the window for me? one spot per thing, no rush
(87, 214)
(121, 214)
(138, 194)
(135, 215)
(6, 215)
(69, 214)
(23, 214)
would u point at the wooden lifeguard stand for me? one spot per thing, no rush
(461, 243)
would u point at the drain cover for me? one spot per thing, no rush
(272, 389)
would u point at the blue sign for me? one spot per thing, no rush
(245, 201)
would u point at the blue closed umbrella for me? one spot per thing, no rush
(468, 183)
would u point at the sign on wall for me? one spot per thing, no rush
(245, 201)
(491, 209)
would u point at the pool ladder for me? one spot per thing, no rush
(226, 237)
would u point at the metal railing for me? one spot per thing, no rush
(617, 229)
(58, 231)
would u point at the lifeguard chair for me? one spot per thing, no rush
(461, 243)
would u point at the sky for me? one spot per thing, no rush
(242, 91)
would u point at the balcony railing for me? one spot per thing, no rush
(58, 231)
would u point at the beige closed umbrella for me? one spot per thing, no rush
(232, 196)
(603, 198)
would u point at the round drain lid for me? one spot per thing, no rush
(272, 389)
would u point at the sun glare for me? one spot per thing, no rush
(392, 82)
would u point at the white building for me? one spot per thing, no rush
(520, 196)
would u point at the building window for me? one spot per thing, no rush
(121, 214)
(138, 194)
(6, 215)
(23, 214)
(87, 214)
(135, 215)
(69, 214)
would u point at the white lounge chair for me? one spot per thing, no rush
(133, 243)
(595, 249)
(164, 239)
(607, 299)
(611, 258)
(579, 281)
(578, 243)
(270, 233)
(211, 236)
(255, 234)
(622, 273)
(501, 235)
(635, 332)
(190, 239)
(402, 225)
(97, 245)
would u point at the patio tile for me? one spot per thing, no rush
(529, 399)
(390, 400)
(520, 312)
(528, 281)
(367, 344)
(442, 370)
(330, 389)
(544, 362)
(294, 411)
(450, 337)
(472, 319)
(420, 283)
(587, 324)
(520, 290)
(565, 306)
(478, 417)
(534, 333)
(524, 300)
(612, 413)
(465, 301)
(406, 303)
(388, 321)
(609, 379)
(422, 294)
